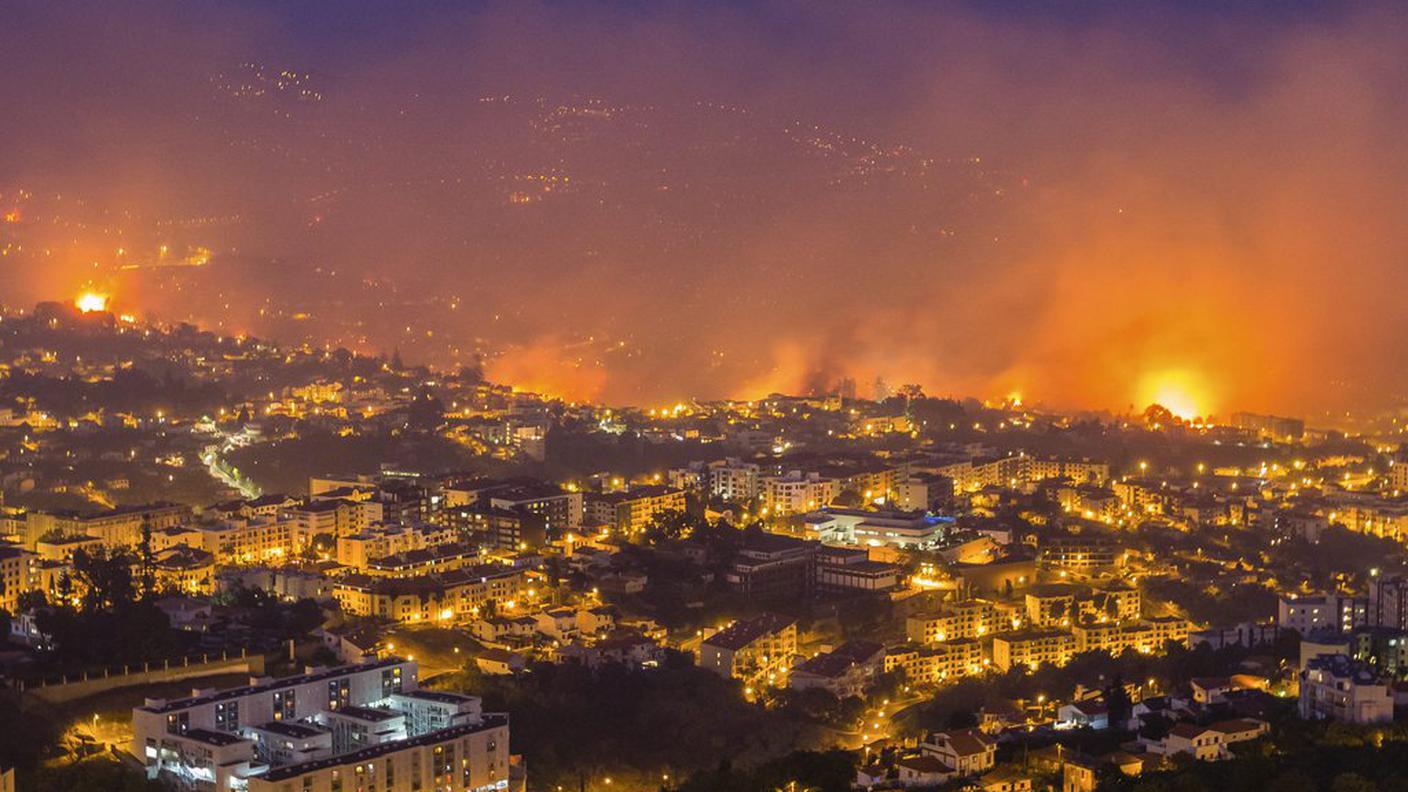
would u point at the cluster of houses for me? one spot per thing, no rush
(1216, 714)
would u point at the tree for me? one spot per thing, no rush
(1352, 782)
(106, 576)
(34, 598)
(669, 524)
(1117, 701)
(148, 571)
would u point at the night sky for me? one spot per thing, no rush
(1096, 205)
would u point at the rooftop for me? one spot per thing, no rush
(444, 735)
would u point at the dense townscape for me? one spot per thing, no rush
(755, 396)
(233, 565)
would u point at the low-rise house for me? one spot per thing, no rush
(1005, 779)
(500, 661)
(1210, 690)
(1088, 714)
(632, 651)
(1240, 729)
(1200, 742)
(867, 776)
(1078, 773)
(500, 628)
(968, 752)
(924, 770)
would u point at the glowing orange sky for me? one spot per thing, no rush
(1200, 207)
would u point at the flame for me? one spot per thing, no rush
(1183, 391)
(88, 302)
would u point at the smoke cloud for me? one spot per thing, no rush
(648, 202)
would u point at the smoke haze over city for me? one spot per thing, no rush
(641, 202)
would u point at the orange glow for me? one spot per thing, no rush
(1182, 391)
(88, 302)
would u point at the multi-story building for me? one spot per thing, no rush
(433, 560)
(188, 570)
(1144, 636)
(1144, 496)
(1090, 502)
(1270, 426)
(1079, 471)
(334, 517)
(756, 651)
(119, 527)
(1032, 648)
(921, 492)
(406, 501)
(914, 530)
(732, 479)
(968, 619)
(561, 510)
(197, 742)
(796, 492)
(1051, 605)
(1063, 604)
(975, 474)
(1388, 602)
(937, 662)
(849, 570)
(1324, 611)
(18, 574)
(1335, 687)
(491, 526)
(467, 757)
(257, 539)
(844, 672)
(633, 511)
(874, 483)
(357, 727)
(447, 597)
(772, 565)
(1081, 554)
(387, 539)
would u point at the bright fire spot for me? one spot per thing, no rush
(89, 302)
(1183, 392)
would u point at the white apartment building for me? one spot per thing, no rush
(1334, 687)
(795, 492)
(329, 730)
(733, 479)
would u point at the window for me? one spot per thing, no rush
(286, 704)
(227, 716)
(338, 693)
(391, 681)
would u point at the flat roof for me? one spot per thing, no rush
(174, 705)
(290, 729)
(444, 735)
(210, 737)
(368, 713)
